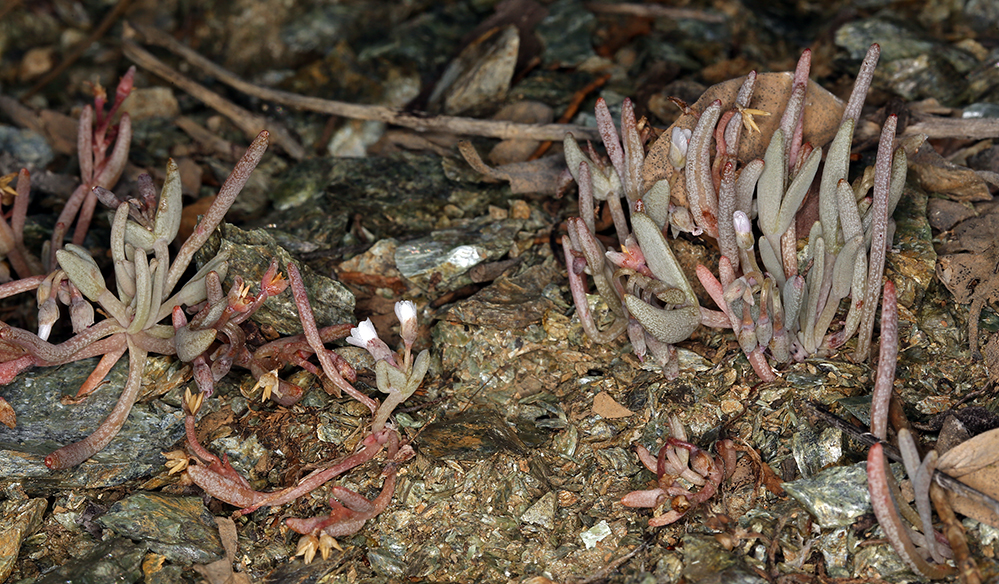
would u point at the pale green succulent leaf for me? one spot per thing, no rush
(82, 271)
(659, 257)
(170, 207)
(667, 325)
(190, 343)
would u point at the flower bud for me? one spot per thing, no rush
(678, 147)
(743, 230)
(405, 311)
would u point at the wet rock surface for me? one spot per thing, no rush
(521, 461)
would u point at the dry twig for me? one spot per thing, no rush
(417, 121)
(250, 123)
(654, 11)
(972, 128)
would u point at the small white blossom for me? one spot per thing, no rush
(678, 147)
(365, 336)
(362, 334)
(405, 311)
(743, 230)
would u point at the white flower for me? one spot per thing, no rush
(362, 334)
(678, 147)
(743, 230)
(365, 336)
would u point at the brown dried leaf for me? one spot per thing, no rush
(823, 112)
(7, 416)
(221, 572)
(974, 278)
(938, 175)
(975, 463)
(605, 406)
(536, 176)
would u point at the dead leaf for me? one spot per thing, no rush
(944, 214)
(605, 407)
(227, 532)
(974, 278)
(938, 175)
(7, 416)
(221, 572)
(536, 176)
(975, 463)
(822, 115)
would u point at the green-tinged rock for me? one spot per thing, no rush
(250, 253)
(836, 496)
(118, 560)
(44, 424)
(180, 528)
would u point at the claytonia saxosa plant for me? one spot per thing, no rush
(921, 548)
(775, 301)
(679, 459)
(145, 278)
(643, 284)
(397, 375)
(212, 340)
(98, 168)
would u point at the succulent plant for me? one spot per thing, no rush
(643, 285)
(775, 305)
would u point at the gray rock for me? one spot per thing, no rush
(836, 496)
(44, 424)
(250, 253)
(180, 528)
(118, 560)
(28, 147)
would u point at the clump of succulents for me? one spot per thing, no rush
(205, 330)
(777, 301)
(643, 284)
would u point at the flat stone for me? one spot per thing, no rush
(180, 528)
(18, 520)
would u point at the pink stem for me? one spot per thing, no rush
(887, 358)
(312, 335)
(372, 444)
(74, 454)
(891, 523)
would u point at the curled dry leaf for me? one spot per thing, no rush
(823, 114)
(971, 277)
(975, 463)
(7, 416)
(938, 175)
(535, 176)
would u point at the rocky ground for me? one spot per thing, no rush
(525, 429)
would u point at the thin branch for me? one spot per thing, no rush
(250, 123)
(418, 121)
(972, 129)
(654, 11)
